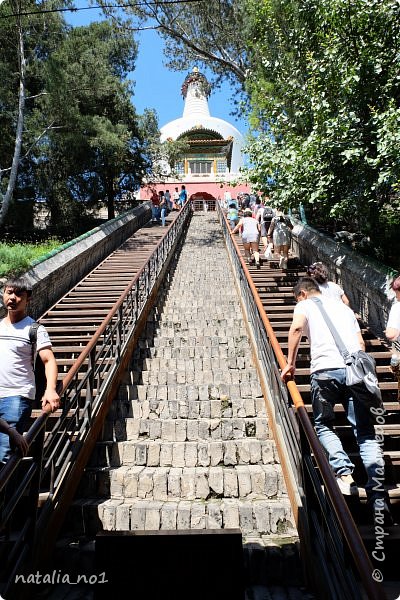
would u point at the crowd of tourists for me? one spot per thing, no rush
(163, 202)
(256, 221)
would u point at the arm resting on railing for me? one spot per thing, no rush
(295, 335)
(16, 439)
(51, 398)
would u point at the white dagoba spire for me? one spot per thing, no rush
(195, 90)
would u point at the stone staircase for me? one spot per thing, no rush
(186, 444)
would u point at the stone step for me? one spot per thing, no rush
(191, 330)
(269, 560)
(186, 352)
(263, 517)
(271, 564)
(274, 592)
(189, 483)
(196, 320)
(184, 341)
(190, 454)
(182, 408)
(191, 376)
(180, 297)
(187, 430)
(236, 394)
(173, 365)
(226, 323)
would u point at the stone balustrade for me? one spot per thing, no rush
(365, 281)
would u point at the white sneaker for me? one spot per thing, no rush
(347, 485)
(281, 262)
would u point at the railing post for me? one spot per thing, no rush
(34, 490)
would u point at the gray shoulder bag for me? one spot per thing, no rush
(360, 367)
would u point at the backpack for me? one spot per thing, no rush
(38, 366)
(246, 201)
(268, 214)
(283, 224)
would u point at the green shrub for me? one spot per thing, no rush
(18, 258)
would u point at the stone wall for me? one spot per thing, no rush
(54, 277)
(365, 282)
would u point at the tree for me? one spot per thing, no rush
(205, 33)
(26, 44)
(98, 151)
(324, 87)
(76, 138)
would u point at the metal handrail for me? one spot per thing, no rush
(83, 389)
(333, 510)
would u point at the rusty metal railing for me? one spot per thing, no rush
(330, 530)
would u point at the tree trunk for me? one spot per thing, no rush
(110, 197)
(6, 200)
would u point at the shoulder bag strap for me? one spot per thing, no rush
(338, 340)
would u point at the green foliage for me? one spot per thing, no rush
(206, 34)
(325, 91)
(96, 153)
(83, 142)
(18, 258)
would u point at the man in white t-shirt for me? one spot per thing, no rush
(17, 378)
(328, 386)
(175, 197)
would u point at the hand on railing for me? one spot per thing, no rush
(18, 441)
(287, 373)
(51, 399)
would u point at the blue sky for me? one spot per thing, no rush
(156, 86)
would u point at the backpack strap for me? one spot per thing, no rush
(33, 338)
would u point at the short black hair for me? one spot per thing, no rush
(19, 285)
(306, 283)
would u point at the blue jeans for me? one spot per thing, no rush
(327, 388)
(233, 223)
(16, 410)
(163, 215)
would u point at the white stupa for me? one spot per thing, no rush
(210, 166)
(199, 127)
